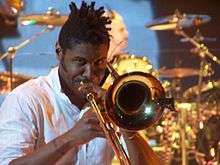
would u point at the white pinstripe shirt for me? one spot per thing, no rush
(35, 113)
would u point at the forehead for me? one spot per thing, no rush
(88, 51)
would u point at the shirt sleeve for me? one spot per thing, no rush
(18, 132)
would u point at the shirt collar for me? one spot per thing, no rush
(54, 80)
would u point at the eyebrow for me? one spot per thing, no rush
(98, 59)
(78, 57)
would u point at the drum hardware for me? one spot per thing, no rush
(205, 87)
(199, 38)
(182, 124)
(205, 71)
(177, 19)
(51, 17)
(178, 72)
(175, 89)
(178, 22)
(9, 79)
(172, 131)
(207, 141)
(201, 49)
(16, 80)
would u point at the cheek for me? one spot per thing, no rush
(73, 72)
(72, 68)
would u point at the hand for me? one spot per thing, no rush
(99, 95)
(87, 128)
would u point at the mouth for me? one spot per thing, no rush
(78, 81)
(84, 85)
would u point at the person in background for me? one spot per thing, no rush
(48, 120)
(118, 34)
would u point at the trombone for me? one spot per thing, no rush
(134, 101)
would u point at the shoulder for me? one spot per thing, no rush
(26, 102)
(27, 95)
(31, 88)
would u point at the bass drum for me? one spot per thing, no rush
(126, 63)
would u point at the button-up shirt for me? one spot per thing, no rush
(38, 111)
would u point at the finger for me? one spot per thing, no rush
(94, 127)
(90, 114)
(93, 120)
(99, 134)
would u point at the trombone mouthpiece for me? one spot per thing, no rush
(90, 96)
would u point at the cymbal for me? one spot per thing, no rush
(193, 91)
(170, 22)
(16, 80)
(178, 72)
(43, 19)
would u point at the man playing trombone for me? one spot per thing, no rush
(48, 121)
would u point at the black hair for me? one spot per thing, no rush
(84, 25)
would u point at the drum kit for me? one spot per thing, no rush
(190, 133)
(190, 136)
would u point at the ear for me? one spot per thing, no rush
(58, 51)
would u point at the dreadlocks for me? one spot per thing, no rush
(86, 24)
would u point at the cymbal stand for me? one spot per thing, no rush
(10, 54)
(200, 48)
(182, 124)
(202, 51)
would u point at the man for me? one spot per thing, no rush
(48, 120)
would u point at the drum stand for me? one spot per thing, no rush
(182, 124)
(10, 54)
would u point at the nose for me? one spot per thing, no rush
(88, 70)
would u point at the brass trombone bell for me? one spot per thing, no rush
(136, 101)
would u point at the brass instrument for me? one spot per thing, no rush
(135, 101)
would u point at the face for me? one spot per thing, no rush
(83, 63)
